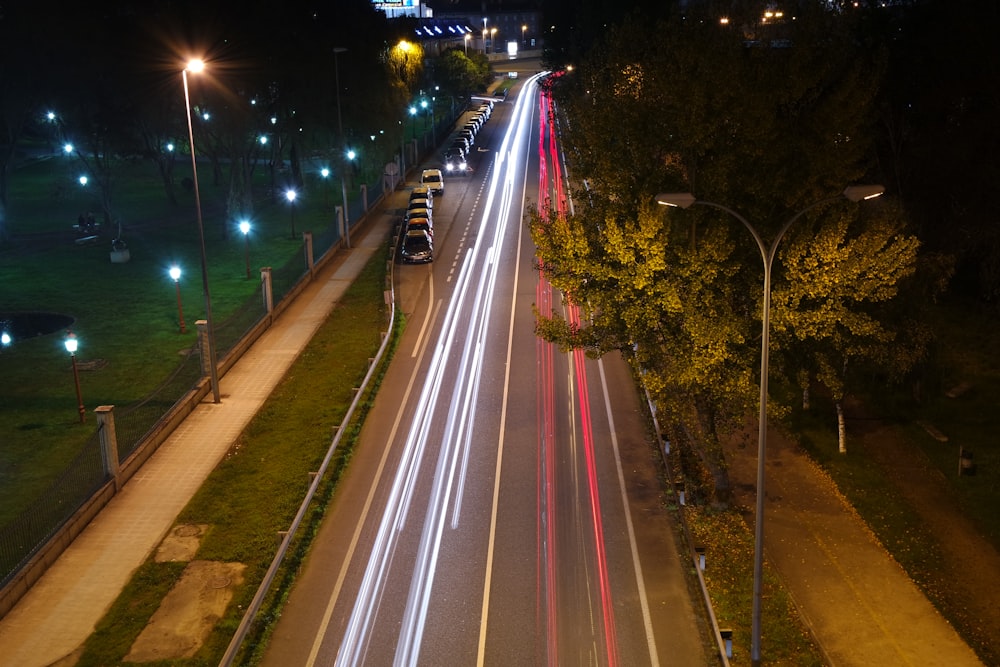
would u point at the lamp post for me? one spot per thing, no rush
(196, 66)
(524, 29)
(245, 228)
(468, 36)
(325, 174)
(175, 275)
(290, 195)
(71, 345)
(854, 193)
(348, 164)
(484, 35)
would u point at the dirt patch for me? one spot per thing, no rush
(188, 613)
(181, 544)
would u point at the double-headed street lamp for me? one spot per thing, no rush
(175, 275)
(71, 344)
(196, 66)
(854, 193)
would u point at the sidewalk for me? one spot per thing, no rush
(861, 606)
(61, 610)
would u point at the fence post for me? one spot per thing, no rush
(267, 289)
(109, 442)
(204, 343)
(307, 238)
(364, 197)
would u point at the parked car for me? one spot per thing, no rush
(462, 144)
(433, 179)
(421, 192)
(420, 202)
(418, 247)
(417, 214)
(468, 135)
(423, 224)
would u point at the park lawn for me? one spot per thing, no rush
(124, 315)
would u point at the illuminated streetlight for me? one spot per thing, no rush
(524, 28)
(290, 195)
(83, 180)
(196, 66)
(71, 344)
(68, 148)
(350, 155)
(854, 193)
(245, 228)
(175, 275)
(325, 173)
(468, 36)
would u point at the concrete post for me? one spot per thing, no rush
(267, 289)
(205, 348)
(307, 238)
(109, 442)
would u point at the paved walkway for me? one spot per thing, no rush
(861, 606)
(62, 609)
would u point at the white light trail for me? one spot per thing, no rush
(449, 474)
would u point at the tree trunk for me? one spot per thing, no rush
(841, 429)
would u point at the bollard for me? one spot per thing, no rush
(679, 488)
(727, 639)
(700, 553)
(966, 464)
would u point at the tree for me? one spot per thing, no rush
(829, 302)
(765, 126)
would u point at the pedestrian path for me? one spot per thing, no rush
(861, 606)
(62, 609)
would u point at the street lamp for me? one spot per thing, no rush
(71, 345)
(468, 36)
(290, 195)
(325, 174)
(196, 66)
(348, 164)
(524, 29)
(854, 193)
(245, 228)
(175, 275)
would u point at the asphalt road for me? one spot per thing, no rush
(503, 506)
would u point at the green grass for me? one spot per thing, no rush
(728, 543)
(255, 492)
(125, 315)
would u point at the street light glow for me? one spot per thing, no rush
(196, 66)
(175, 273)
(290, 195)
